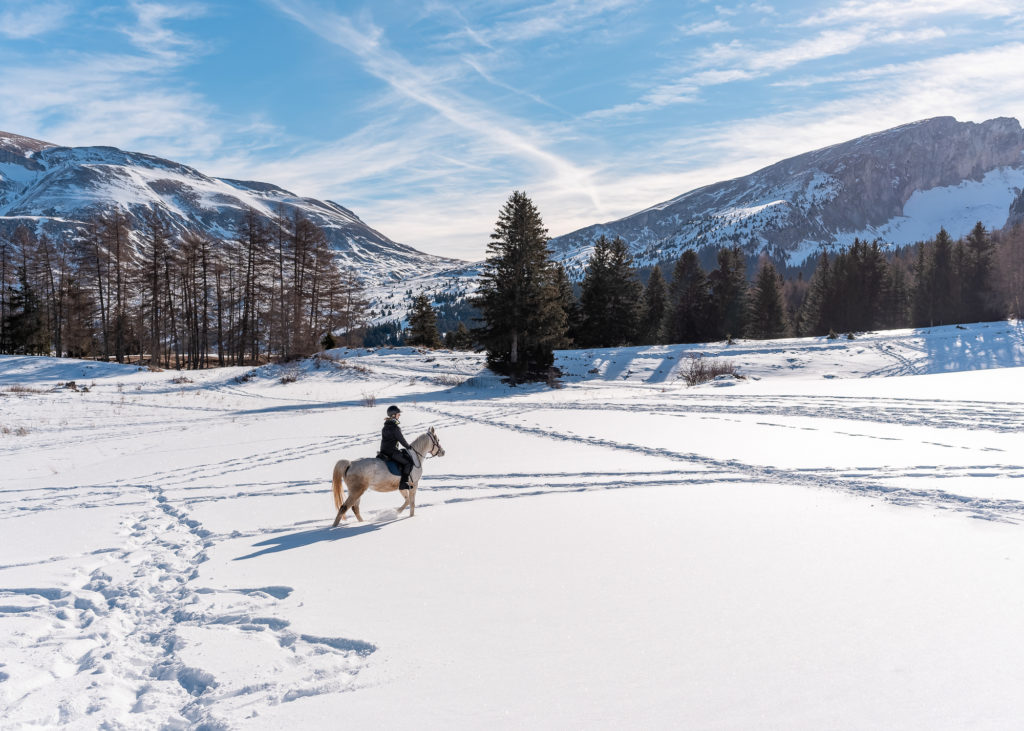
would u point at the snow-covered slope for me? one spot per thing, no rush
(832, 542)
(900, 185)
(54, 188)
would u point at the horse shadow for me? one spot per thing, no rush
(304, 538)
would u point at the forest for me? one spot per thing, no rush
(135, 291)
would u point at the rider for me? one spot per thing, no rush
(390, 437)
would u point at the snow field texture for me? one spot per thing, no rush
(831, 542)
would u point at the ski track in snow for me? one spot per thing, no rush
(120, 638)
(864, 481)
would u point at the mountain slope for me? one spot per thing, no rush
(900, 185)
(55, 189)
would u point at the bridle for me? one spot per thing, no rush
(435, 447)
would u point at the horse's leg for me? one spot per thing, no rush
(340, 516)
(356, 488)
(412, 501)
(355, 509)
(405, 494)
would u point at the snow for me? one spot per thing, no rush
(956, 208)
(832, 541)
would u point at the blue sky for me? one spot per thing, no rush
(422, 117)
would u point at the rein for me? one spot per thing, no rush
(434, 446)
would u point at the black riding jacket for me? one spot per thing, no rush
(391, 437)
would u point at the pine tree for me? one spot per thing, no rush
(624, 298)
(654, 310)
(767, 310)
(423, 324)
(569, 305)
(518, 298)
(729, 288)
(594, 294)
(26, 326)
(979, 296)
(690, 305)
(817, 316)
(609, 296)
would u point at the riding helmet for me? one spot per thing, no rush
(393, 411)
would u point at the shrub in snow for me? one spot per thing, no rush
(701, 370)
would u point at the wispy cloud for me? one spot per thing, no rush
(151, 35)
(125, 99)
(548, 18)
(27, 18)
(499, 136)
(905, 11)
(708, 28)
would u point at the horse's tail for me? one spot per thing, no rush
(339, 475)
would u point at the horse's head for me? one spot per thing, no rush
(436, 450)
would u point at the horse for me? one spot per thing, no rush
(371, 472)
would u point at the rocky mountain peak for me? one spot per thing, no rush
(900, 185)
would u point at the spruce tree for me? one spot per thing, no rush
(609, 296)
(518, 298)
(654, 310)
(767, 310)
(569, 305)
(624, 299)
(817, 316)
(26, 326)
(978, 278)
(689, 318)
(423, 324)
(729, 294)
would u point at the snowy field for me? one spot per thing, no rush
(835, 541)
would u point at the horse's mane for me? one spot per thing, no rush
(421, 443)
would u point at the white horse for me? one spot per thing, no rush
(370, 472)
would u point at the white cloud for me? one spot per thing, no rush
(904, 11)
(712, 26)
(129, 100)
(554, 17)
(151, 35)
(495, 135)
(26, 19)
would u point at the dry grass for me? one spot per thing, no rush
(19, 388)
(369, 399)
(701, 370)
(18, 431)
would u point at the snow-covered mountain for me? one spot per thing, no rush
(53, 188)
(900, 185)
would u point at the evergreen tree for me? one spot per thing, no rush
(729, 294)
(767, 310)
(569, 305)
(690, 310)
(978, 278)
(654, 310)
(459, 339)
(609, 296)
(817, 316)
(26, 325)
(518, 298)
(423, 324)
(936, 290)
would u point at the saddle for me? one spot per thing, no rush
(392, 466)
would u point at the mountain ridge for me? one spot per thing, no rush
(56, 189)
(825, 197)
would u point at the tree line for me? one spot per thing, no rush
(528, 307)
(140, 292)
